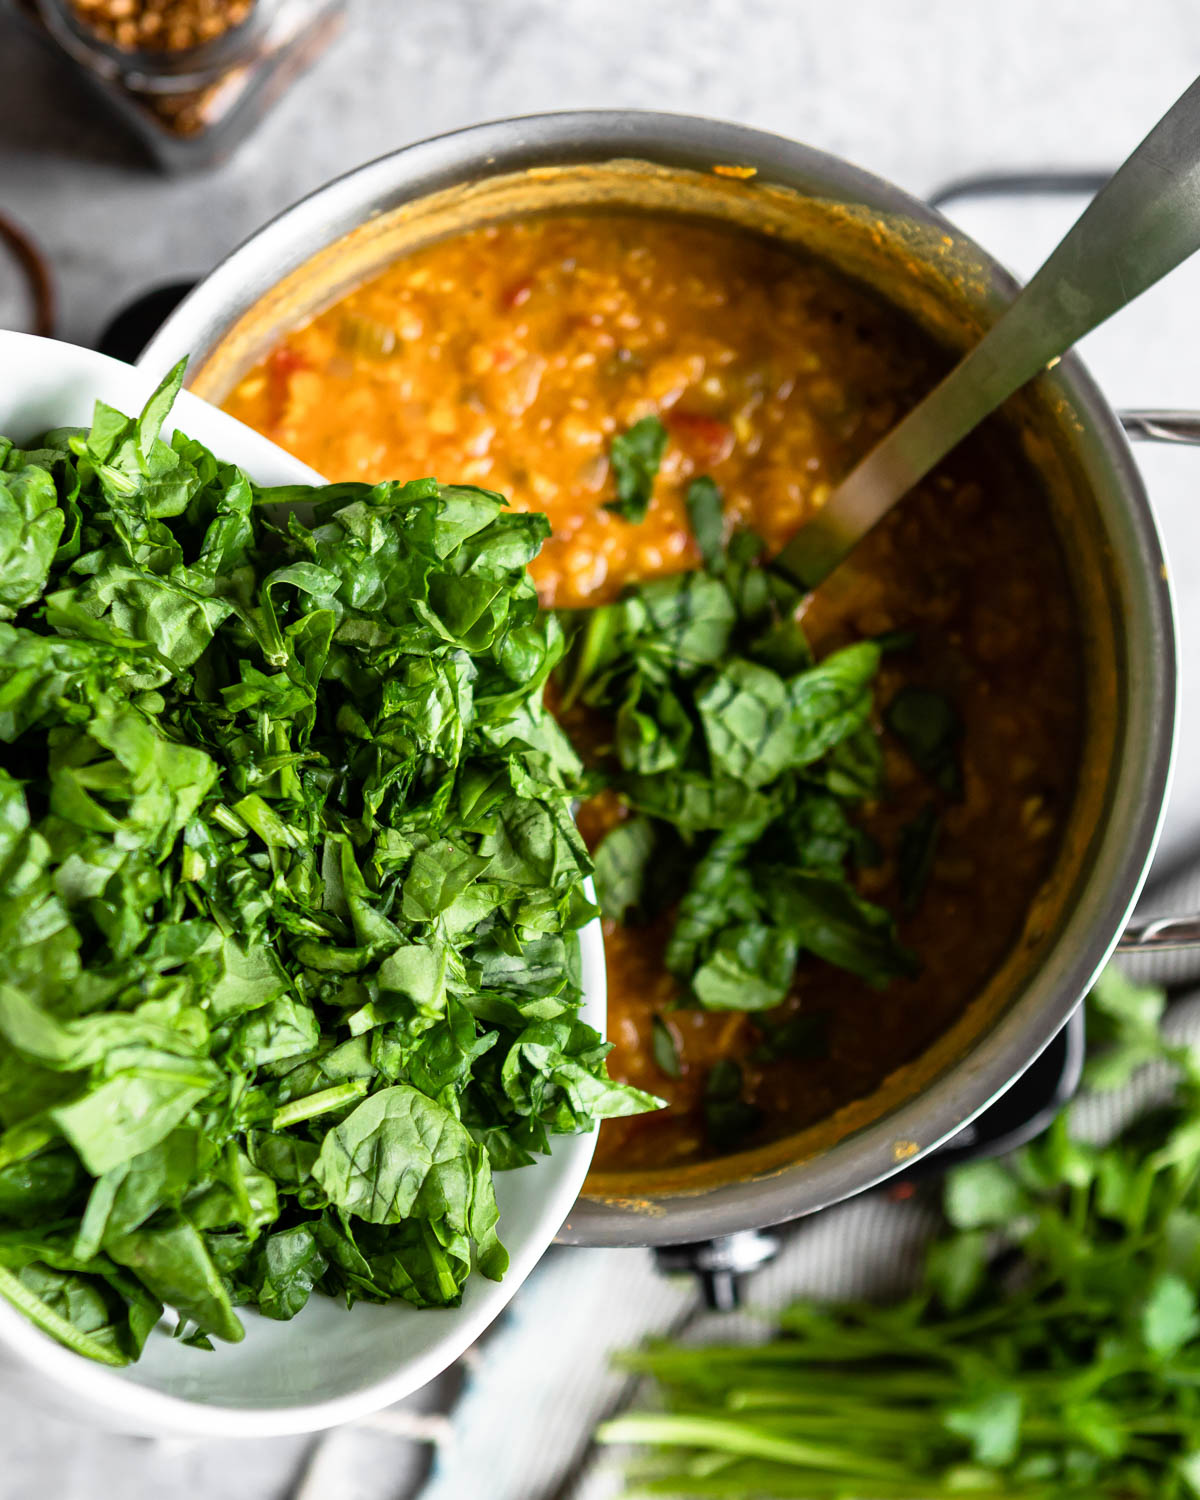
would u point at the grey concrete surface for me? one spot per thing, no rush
(918, 90)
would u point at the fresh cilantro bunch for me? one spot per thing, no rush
(1052, 1353)
(742, 760)
(290, 887)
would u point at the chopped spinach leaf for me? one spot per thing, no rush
(824, 915)
(666, 1053)
(896, 640)
(621, 864)
(747, 966)
(915, 855)
(928, 726)
(653, 731)
(705, 508)
(720, 888)
(804, 1036)
(729, 1118)
(746, 714)
(853, 769)
(634, 456)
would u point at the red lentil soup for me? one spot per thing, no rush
(509, 356)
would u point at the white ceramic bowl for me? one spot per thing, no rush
(328, 1365)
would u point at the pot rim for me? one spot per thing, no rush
(1145, 739)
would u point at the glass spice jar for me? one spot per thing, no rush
(191, 77)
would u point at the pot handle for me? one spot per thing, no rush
(1161, 934)
(1161, 426)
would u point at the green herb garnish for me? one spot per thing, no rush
(635, 456)
(290, 888)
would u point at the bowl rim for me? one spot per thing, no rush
(1146, 735)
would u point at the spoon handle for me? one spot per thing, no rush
(1140, 225)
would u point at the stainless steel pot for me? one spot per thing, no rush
(908, 253)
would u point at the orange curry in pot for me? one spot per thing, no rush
(511, 357)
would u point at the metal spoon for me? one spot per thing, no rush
(1143, 223)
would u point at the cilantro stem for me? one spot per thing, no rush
(736, 1437)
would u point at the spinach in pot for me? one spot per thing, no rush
(738, 764)
(728, 738)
